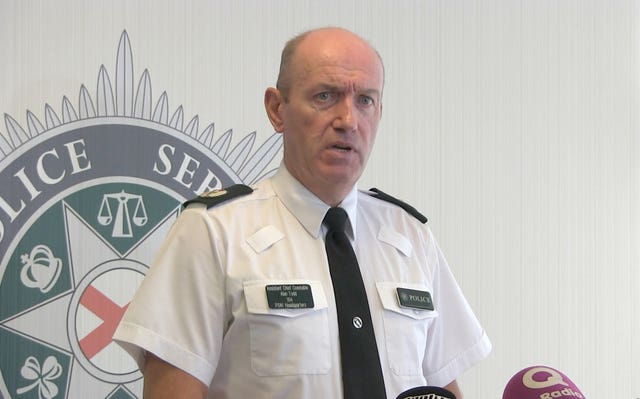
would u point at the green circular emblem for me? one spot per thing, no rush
(85, 201)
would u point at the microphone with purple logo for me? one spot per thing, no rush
(541, 382)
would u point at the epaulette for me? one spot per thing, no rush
(374, 192)
(219, 196)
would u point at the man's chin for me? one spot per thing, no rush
(341, 178)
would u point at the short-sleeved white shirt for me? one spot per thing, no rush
(203, 307)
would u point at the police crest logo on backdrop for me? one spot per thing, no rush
(85, 200)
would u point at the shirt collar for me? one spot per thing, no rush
(306, 207)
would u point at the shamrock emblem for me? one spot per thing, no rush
(42, 377)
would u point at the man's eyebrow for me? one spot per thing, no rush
(371, 92)
(326, 86)
(340, 88)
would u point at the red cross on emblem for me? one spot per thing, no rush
(110, 314)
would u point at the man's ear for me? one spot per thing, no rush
(273, 102)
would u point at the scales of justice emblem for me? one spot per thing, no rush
(81, 217)
(123, 217)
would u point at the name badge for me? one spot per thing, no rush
(289, 296)
(414, 299)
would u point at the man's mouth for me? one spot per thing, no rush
(342, 147)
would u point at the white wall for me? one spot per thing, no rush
(512, 124)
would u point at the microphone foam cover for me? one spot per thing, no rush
(541, 382)
(426, 393)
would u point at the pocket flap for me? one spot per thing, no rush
(389, 296)
(396, 240)
(264, 238)
(255, 293)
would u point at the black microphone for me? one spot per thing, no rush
(426, 393)
(541, 382)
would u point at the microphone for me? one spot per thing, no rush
(541, 382)
(426, 393)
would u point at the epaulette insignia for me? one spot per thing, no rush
(219, 196)
(374, 192)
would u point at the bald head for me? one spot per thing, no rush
(314, 38)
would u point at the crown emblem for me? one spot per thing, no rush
(40, 269)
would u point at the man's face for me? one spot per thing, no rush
(331, 115)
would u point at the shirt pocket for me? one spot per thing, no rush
(405, 329)
(287, 341)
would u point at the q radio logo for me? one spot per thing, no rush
(85, 200)
(551, 382)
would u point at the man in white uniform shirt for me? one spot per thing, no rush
(202, 324)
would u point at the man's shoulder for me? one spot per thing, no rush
(380, 197)
(216, 197)
(230, 195)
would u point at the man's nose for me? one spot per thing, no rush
(346, 118)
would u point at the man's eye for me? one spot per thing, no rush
(324, 96)
(366, 100)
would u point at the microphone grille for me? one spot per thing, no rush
(426, 393)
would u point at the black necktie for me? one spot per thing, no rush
(361, 371)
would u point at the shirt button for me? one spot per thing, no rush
(357, 322)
